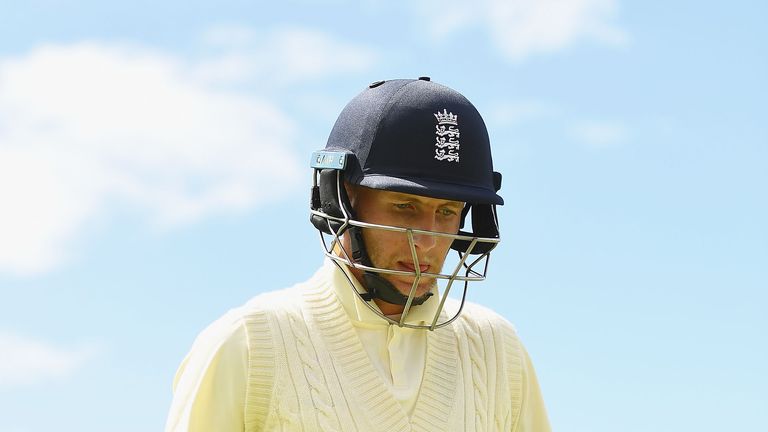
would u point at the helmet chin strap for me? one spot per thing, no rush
(376, 285)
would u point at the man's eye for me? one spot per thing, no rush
(447, 212)
(403, 206)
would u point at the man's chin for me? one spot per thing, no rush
(422, 290)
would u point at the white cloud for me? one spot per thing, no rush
(599, 134)
(284, 56)
(26, 361)
(521, 28)
(89, 124)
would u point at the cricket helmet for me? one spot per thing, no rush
(416, 137)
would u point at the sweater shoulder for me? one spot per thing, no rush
(272, 302)
(243, 330)
(483, 323)
(281, 300)
(260, 306)
(486, 319)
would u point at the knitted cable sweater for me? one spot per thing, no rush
(292, 360)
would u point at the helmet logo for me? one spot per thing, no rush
(447, 136)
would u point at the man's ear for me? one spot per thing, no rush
(351, 193)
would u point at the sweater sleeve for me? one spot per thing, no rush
(533, 413)
(210, 384)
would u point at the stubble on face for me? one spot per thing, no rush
(384, 254)
(392, 250)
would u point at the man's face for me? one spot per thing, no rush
(390, 250)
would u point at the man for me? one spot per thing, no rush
(373, 342)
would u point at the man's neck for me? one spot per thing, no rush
(389, 308)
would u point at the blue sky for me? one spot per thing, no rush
(154, 173)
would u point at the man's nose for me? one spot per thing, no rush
(425, 242)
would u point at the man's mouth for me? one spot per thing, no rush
(411, 267)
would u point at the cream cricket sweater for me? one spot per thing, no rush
(314, 358)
